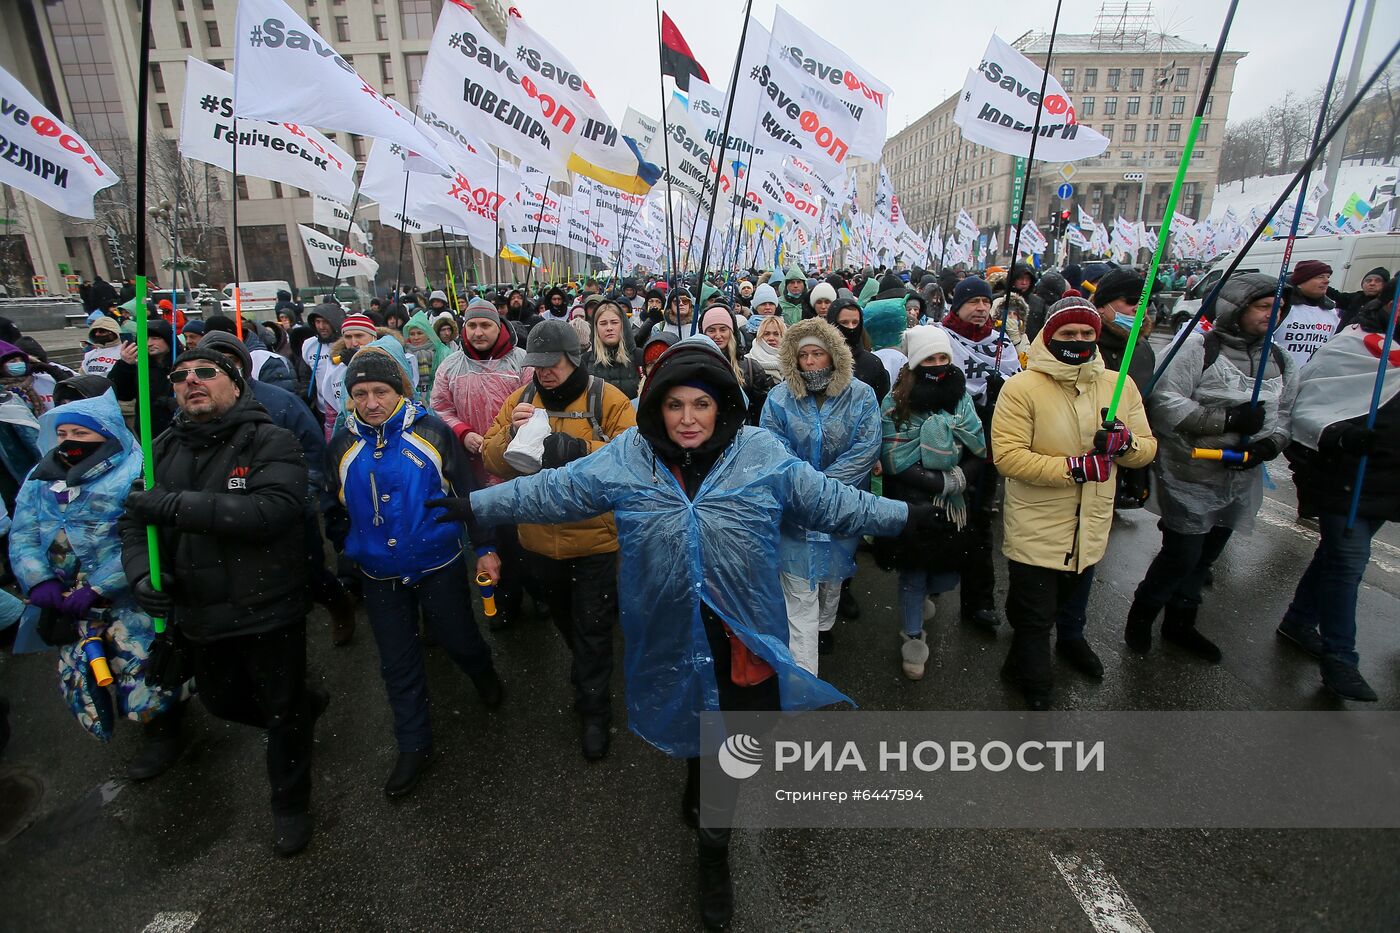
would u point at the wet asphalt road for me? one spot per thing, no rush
(514, 830)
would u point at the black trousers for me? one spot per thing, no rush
(1035, 598)
(1178, 572)
(515, 573)
(323, 586)
(977, 589)
(260, 680)
(581, 593)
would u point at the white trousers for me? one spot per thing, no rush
(810, 609)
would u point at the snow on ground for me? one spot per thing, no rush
(1262, 190)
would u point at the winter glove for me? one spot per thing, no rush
(55, 628)
(1353, 439)
(453, 509)
(156, 603)
(1244, 418)
(1113, 440)
(337, 528)
(79, 603)
(153, 507)
(1090, 468)
(921, 516)
(915, 476)
(561, 448)
(47, 595)
(1260, 452)
(995, 380)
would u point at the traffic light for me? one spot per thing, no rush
(1064, 223)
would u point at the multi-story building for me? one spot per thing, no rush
(1136, 87)
(78, 57)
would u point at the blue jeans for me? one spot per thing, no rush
(446, 603)
(914, 585)
(1074, 611)
(1325, 599)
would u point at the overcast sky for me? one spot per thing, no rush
(923, 50)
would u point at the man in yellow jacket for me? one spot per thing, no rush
(1050, 442)
(573, 564)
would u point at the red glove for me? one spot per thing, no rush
(1113, 440)
(1090, 468)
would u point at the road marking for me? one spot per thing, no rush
(1281, 516)
(1100, 894)
(172, 921)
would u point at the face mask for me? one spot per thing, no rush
(1125, 320)
(934, 373)
(1073, 352)
(818, 379)
(16, 368)
(852, 335)
(75, 452)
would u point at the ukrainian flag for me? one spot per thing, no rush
(638, 182)
(515, 253)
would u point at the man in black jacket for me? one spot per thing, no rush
(228, 508)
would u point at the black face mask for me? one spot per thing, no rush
(852, 335)
(934, 373)
(937, 388)
(1073, 352)
(75, 452)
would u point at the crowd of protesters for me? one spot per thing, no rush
(697, 467)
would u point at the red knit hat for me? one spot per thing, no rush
(1308, 269)
(359, 322)
(1070, 311)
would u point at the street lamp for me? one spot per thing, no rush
(170, 216)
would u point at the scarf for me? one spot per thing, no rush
(942, 439)
(971, 331)
(817, 380)
(766, 357)
(562, 396)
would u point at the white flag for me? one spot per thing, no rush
(283, 152)
(468, 199)
(640, 127)
(333, 215)
(329, 257)
(966, 225)
(42, 157)
(283, 70)
(998, 105)
(1086, 220)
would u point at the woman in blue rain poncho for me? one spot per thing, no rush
(698, 498)
(824, 416)
(66, 554)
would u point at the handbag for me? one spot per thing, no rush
(746, 669)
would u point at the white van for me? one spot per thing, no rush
(1350, 257)
(256, 297)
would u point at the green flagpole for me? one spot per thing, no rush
(143, 350)
(1111, 413)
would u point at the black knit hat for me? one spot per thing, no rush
(970, 287)
(374, 365)
(212, 355)
(1119, 283)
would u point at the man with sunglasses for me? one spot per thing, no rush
(227, 506)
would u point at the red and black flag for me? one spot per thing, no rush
(676, 58)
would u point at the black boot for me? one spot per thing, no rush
(847, 607)
(1346, 681)
(1079, 655)
(716, 887)
(595, 737)
(489, 688)
(1179, 628)
(290, 832)
(161, 747)
(407, 772)
(1138, 632)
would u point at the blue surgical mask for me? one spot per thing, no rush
(1125, 320)
(16, 368)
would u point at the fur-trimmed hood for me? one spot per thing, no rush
(842, 362)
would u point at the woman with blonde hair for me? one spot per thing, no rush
(766, 341)
(611, 355)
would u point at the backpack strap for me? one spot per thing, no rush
(1212, 347)
(594, 412)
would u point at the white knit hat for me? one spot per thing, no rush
(823, 290)
(922, 342)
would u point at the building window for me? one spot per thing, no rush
(357, 148)
(1091, 78)
(1204, 134)
(413, 68)
(1107, 132)
(1086, 107)
(1110, 106)
(211, 29)
(386, 72)
(342, 29)
(381, 27)
(1135, 79)
(417, 18)
(165, 120)
(241, 186)
(1174, 132)
(1170, 155)
(218, 63)
(1178, 106)
(315, 23)
(1130, 133)
(276, 191)
(1183, 75)
(1114, 76)
(1134, 105)
(184, 35)
(1067, 78)
(157, 79)
(205, 5)
(1210, 103)
(1151, 133)
(1154, 106)
(1125, 155)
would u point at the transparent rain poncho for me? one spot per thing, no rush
(720, 549)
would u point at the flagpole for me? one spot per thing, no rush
(666, 139)
(498, 217)
(1026, 187)
(349, 232)
(1206, 306)
(1318, 127)
(1371, 413)
(447, 257)
(237, 278)
(948, 211)
(539, 222)
(143, 348)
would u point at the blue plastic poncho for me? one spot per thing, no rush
(842, 440)
(680, 552)
(77, 543)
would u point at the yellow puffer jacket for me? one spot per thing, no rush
(1043, 415)
(569, 539)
